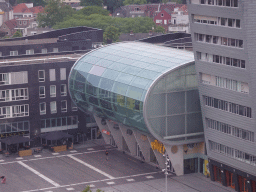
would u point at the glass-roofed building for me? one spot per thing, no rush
(145, 101)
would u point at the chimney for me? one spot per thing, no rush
(131, 33)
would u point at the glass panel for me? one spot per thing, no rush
(81, 76)
(106, 84)
(97, 70)
(134, 92)
(117, 66)
(124, 78)
(93, 80)
(113, 57)
(110, 74)
(90, 59)
(149, 74)
(156, 68)
(98, 53)
(120, 88)
(191, 81)
(86, 67)
(104, 63)
(140, 64)
(127, 61)
(141, 82)
(132, 70)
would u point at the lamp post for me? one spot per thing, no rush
(166, 169)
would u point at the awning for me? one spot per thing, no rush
(15, 140)
(57, 135)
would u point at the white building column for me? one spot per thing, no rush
(144, 144)
(116, 133)
(129, 139)
(103, 127)
(159, 156)
(175, 154)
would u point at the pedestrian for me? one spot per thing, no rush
(3, 179)
(106, 155)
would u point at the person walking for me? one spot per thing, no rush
(106, 155)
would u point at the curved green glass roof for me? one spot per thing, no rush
(112, 81)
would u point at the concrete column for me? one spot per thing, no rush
(176, 158)
(159, 156)
(117, 135)
(129, 139)
(144, 144)
(101, 127)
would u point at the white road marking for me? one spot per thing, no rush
(18, 158)
(73, 151)
(92, 167)
(111, 183)
(89, 149)
(92, 185)
(130, 180)
(149, 177)
(39, 174)
(55, 153)
(1, 160)
(70, 189)
(37, 155)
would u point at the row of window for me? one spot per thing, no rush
(31, 51)
(229, 129)
(13, 78)
(220, 21)
(225, 3)
(233, 153)
(225, 83)
(14, 127)
(59, 122)
(220, 59)
(14, 94)
(14, 111)
(53, 107)
(63, 91)
(52, 74)
(228, 106)
(219, 40)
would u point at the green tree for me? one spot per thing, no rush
(93, 10)
(35, 2)
(91, 2)
(88, 189)
(55, 11)
(138, 2)
(159, 29)
(113, 4)
(111, 34)
(18, 33)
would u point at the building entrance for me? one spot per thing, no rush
(230, 179)
(217, 173)
(190, 165)
(92, 133)
(242, 182)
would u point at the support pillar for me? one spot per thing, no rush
(129, 139)
(175, 154)
(101, 127)
(144, 144)
(116, 133)
(159, 156)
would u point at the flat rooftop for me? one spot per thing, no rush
(28, 42)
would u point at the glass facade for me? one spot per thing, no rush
(113, 81)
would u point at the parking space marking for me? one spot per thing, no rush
(149, 177)
(89, 149)
(39, 174)
(18, 158)
(92, 185)
(37, 155)
(111, 183)
(130, 180)
(73, 151)
(70, 189)
(55, 153)
(91, 167)
(1, 160)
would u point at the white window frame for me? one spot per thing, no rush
(52, 74)
(42, 111)
(64, 93)
(41, 79)
(52, 90)
(44, 51)
(14, 53)
(73, 106)
(30, 52)
(41, 95)
(55, 50)
(53, 107)
(64, 106)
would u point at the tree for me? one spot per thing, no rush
(113, 4)
(18, 33)
(91, 2)
(93, 10)
(111, 34)
(54, 12)
(138, 2)
(159, 29)
(35, 2)
(88, 189)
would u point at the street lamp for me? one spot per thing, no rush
(166, 169)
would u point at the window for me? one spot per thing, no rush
(30, 52)
(162, 14)
(13, 53)
(63, 90)
(55, 50)
(24, 22)
(63, 74)
(41, 75)
(42, 92)
(4, 78)
(14, 127)
(42, 107)
(63, 106)
(44, 51)
(159, 21)
(73, 106)
(52, 75)
(53, 91)
(53, 106)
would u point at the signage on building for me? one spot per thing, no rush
(105, 131)
(156, 145)
(13, 134)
